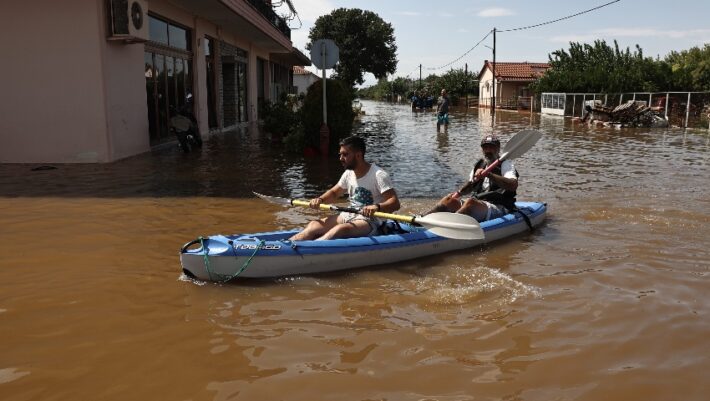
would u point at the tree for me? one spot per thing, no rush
(457, 83)
(691, 68)
(385, 89)
(602, 68)
(366, 43)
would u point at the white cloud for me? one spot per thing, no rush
(310, 10)
(573, 38)
(495, 12)
(410, 13)
(612, 33)
(299, 38)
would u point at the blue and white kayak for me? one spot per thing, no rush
(271, 254)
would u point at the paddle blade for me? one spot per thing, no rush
(274, 199)
(521, 143)
(452, 225)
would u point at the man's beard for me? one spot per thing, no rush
(490, 157)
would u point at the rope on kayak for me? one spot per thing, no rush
(223, 278)
(244, 266)
(205, 257)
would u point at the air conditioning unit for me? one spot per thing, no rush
(128, 20)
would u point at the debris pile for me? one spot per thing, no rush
(629, 114)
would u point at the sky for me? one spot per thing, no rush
(436, 33)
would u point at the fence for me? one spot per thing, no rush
(521, 103)
(682, 109)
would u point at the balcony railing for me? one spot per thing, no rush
(268, 13)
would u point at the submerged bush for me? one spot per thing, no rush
(340, 113)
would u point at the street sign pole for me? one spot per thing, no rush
(324, 55)
(325, 104)
(324, 130)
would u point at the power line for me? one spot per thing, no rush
(463, 55)
(559, 19)
(517, 29)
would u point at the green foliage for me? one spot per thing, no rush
(366, 43)
(456, 82)
(340, 112)
(280, 119)
(601, 68)
(385, 90)
(284, 121)
(690, 68)
(295, 141)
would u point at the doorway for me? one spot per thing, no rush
(168, 75)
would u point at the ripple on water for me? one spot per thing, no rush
(11, 374)
(487, 287)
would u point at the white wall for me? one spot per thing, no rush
(485, 95)
(303, 81)
(69, 95)
(53, 93)
(126, 99)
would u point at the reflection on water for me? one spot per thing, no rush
(605, 301)
(422, 162)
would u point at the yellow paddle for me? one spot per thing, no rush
(448, 225)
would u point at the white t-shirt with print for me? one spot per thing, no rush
(368, 189)
(507, 170)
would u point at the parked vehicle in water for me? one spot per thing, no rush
(184, 125)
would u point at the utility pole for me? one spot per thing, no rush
(465, 84)
(420, 76)
(493, 103)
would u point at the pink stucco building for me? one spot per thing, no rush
(94, 80)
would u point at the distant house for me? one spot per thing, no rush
(511, 81)
(302, 79)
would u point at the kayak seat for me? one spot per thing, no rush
(390, 227)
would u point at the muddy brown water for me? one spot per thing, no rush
(608, 300)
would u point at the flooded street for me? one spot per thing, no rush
(606, 301)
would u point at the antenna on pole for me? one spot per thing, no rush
(493, 103)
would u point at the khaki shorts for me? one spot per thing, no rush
(374, 223)
(494, 211)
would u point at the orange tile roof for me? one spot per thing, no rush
(509, 71)
(298, 70)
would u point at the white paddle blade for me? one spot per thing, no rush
(521, 143)
(274, 199)
(452, 225)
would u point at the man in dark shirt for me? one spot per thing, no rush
(442, 110)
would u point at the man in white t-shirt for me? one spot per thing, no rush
(369, 189)
(493, 195)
